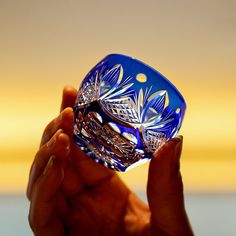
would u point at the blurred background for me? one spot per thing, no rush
(45, 45)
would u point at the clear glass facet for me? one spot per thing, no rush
(125, 111)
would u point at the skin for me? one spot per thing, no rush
(70, 194)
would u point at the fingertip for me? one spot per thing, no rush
(64, 140)
(67, 122)
(168, 146)
(66, 113)
(68, 97)
(165, 163)
(69, 90)
(63, 143)
(178, 149)
(69, 93)
(180, 137)
(173, 141)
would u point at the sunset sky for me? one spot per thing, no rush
(45, 45)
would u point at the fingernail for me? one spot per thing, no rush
(51, 142)
(67, 143)
(49, 165)
(178, 147)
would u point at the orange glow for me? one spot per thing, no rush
(48, 44)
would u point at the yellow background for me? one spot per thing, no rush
(45, 45)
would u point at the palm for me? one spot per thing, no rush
(99, 203)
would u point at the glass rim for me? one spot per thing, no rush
(149, 68)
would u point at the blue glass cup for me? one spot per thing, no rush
(125, 111)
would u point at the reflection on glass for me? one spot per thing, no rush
(125, 111)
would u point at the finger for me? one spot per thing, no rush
(58, 145)
(91, 173)
(66, 117)
(83, 163)
(64, 121)
(68, 97)
(165, 190)
(71, 184)
(43, 218)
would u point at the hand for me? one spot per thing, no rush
(70, 194)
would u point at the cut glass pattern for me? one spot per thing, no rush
(120, 121)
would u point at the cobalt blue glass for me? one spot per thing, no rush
(125, 111)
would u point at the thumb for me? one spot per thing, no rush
(165, 190)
